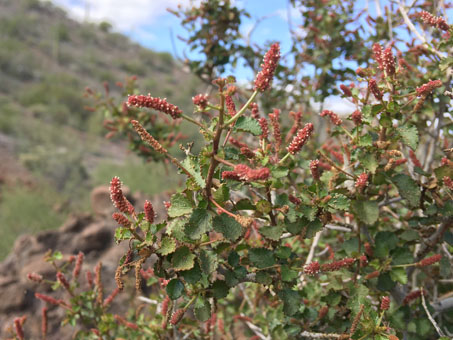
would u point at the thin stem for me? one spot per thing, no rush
(285, 157)
(183, 116)
(331, 162)
(221, 160)
(190, 302)
(242, 110)
(221, 208)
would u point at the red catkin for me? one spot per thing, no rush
(242, 172)
(323, 312)
(78, 265)
(300, 139)
(294, 200)
(312, 268)
(346, 90)
(388, 61)
(412, 296)
(264, 78)
(44, 322)
(314, 169)
(110, 298)
(200, 100)
(34, 277)
(362, 181)
(385, 303)
(433, 21)
(165, 305)
(177, 316)
(372, 275)
(274, 117)
(429, 260)
(448, 182)
(157, 104)
(414, 159)
(255, 110)
(19, 330)
(356, 117)
(377, 53)
(116, 194)
(146, 137)
(337, 265)
(372, 85)
(333, 117)
(264, 128)
(121, 219)
(231, 107)
(64, 282)
(427, 88)
(124, 322)
(47, 299)
(149, 212)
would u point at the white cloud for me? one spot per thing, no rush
(293, 12)
(124, 15)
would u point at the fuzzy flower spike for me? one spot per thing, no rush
(264, 77)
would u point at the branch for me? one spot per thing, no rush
(436, 326)
(323, 335)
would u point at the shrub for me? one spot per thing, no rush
(289, 235)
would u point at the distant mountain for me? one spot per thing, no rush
(46, 61)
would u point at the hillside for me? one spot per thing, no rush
(55, 148)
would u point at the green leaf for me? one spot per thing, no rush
(313, 227)
(408, 189)
(442, 171)
(261, 257)
(358, 296)
(366, 211)
(339, 202)
(384, 242)
(208, 261)
(174, 289)
(399, 275)
(263, 278)
(202, 310)
(409, 134)
(182, 259)
(271, 232)
(288, 275)
(248, 124)
(291, 301)
(220, 289)
(370, 162)
(365, 140)
(200, 222)
(122, 233)
(192, 166)
(193, 275)
(175, 228)
(228, 226)
(222, 194)
(180, 205)
(233, 259)
(167, 246)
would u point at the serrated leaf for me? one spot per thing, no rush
(248, 124)
(193, 275)
(180, 205)
(228, 226)
(384, 242)
(175, 228)
(291, 301)
(370, 162)
(339, 202)
(192, 166)
(399, 275)
(358, 295)
(312, 228)
(202, 310)
(365, 140)
(182, 259)
(442, 171)
(199, 223)
(261, 257)
(288, 275)
(271, 232)
(222, 194)
(208, 261)
(220, 289)
(174, 289)
(167, 246)
(408, 189)
(409, 134)
(367, 211)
